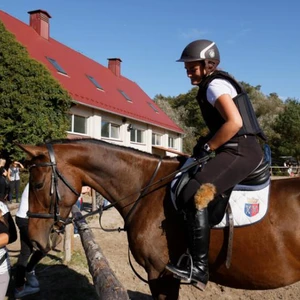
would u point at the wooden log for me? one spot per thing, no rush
(68, 243)
(106, 283)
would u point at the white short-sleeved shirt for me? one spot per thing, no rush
(14, 173)
(219, 87)
(5, 266)
(23, 207)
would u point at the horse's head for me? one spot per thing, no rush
(51, 194)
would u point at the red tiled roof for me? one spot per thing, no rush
(80, 87)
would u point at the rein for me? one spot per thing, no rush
(54, 192)
(143, 193)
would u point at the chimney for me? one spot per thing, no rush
(114, 64)
(39, 21)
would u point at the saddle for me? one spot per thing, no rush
(217, 207)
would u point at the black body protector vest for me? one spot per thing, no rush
(212, 117)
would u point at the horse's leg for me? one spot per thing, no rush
(164, 287)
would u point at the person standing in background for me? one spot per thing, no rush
(8, 234)
(26, 282)
(14, 180)
(2, 162)
(4, 258)
(4, 184)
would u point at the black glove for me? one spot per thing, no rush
(199, 152)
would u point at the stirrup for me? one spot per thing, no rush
(189, 263)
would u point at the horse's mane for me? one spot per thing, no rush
(106, 144)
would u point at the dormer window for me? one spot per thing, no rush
(125, 95)
(95, 83)
(55, 64)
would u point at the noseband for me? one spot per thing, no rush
(54, 192)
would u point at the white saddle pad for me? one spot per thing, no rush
(249, 204)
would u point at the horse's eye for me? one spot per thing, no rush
(38, 185)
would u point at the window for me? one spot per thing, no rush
(110, 130)
(77, 124)
(153, 107)
(171, 142)
(125, 95)
(56, 65)
(156, 139)
(137, 135)
(94, 81)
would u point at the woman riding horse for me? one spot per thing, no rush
(233, 127)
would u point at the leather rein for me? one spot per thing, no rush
(54, 212)
(56, 198)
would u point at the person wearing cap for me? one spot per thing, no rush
(233, 131)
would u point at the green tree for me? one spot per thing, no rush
(33, 104)
(179, 116)
(287, 126)
(194, 117)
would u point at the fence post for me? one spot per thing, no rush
(68, 242)
(106, 283)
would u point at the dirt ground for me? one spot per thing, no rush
(58, 279)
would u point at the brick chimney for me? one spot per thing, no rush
(39, 21)
(114, 64)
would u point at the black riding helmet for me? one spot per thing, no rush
(200, 50)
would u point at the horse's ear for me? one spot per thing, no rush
(32, 150)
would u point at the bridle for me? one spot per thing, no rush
(54, 212)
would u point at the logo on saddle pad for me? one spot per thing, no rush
(248, 206)
(252, 207)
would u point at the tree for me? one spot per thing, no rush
(184, 110)
(33, 104)
(179, 116)
(287, 127)
(193, 114)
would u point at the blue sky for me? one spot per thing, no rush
(258, 40)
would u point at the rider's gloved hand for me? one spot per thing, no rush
(199, 151)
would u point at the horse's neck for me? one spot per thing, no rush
(120, 177)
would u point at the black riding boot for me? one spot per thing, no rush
(198, 232)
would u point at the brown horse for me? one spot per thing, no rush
(265, 255)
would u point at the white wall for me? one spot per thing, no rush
(94, 118)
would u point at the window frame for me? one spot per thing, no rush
(135, 131)
(173, 146)
(110, 126)
(128, 99)
(56, 65)
(94, 82)
(73, 125)
(156, 136)
(153, 107)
